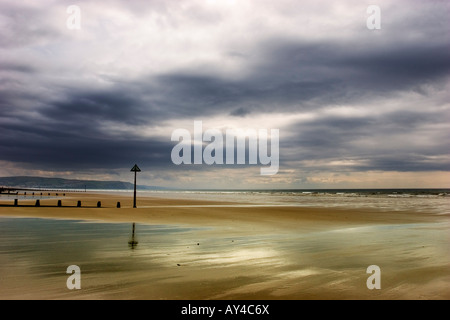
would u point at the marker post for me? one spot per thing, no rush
(135, 169)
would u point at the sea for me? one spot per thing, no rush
(435, 200)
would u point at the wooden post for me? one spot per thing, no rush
(135, 169)
(134, 198)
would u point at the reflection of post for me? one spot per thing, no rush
(133, 243)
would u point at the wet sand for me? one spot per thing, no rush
(237, 251)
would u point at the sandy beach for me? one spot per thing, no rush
(191, 249)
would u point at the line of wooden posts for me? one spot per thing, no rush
(38, 203)
(135, 169)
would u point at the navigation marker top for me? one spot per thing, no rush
(135, 168)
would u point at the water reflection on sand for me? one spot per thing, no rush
(174, 262)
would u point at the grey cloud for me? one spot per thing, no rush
(26, 26)
(54, 150)
(51, 123)
(387, 142)
(301, 76)
(99, 106)
(406, 163)
(17, 67)
(331, 73)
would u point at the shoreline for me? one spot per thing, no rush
(188, 211)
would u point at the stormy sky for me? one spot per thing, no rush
(355, 107)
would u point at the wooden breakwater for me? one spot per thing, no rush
(58, 204)
(24, 191)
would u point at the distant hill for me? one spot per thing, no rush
(59, 183)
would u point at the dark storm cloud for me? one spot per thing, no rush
(67, 134)
(269, 88)
(405, 162)
(55, 149)
(325, 79)
(302, 76)
(387, 142)
(194, 94)
(82, 107)
(52, 123)
(336, 73)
